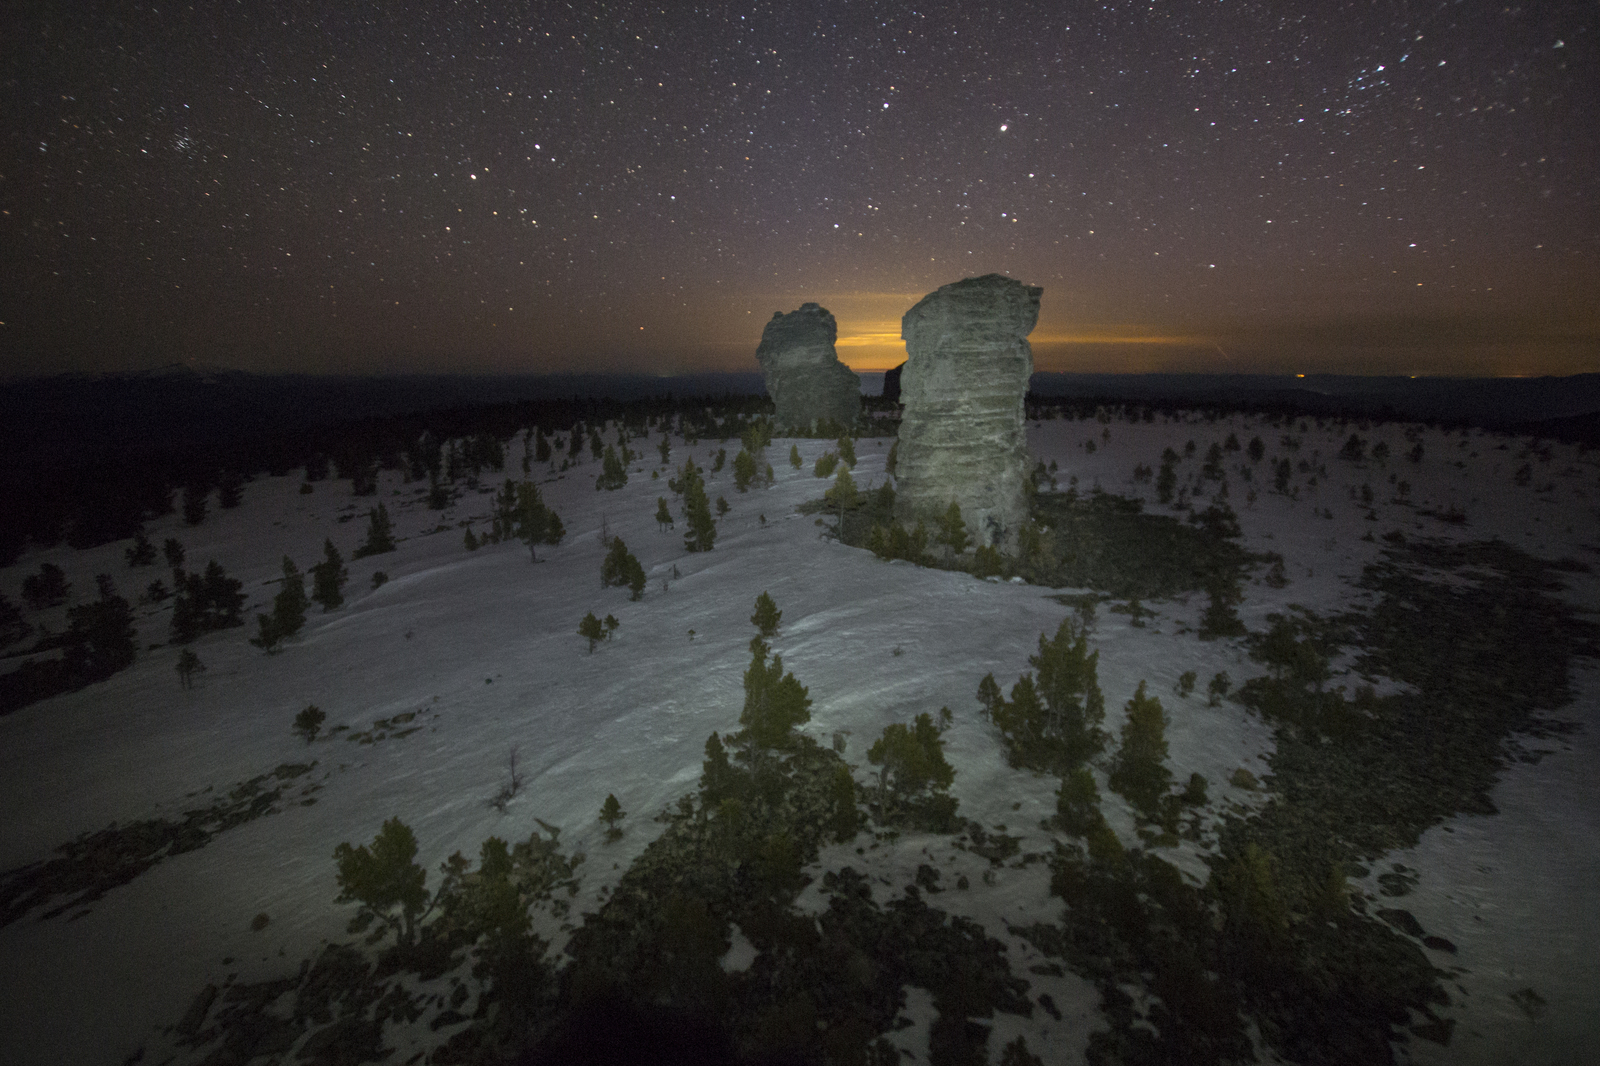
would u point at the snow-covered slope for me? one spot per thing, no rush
(481, 649)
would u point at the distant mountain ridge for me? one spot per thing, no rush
(82, 414)
(1500, 403)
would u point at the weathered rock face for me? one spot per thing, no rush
(962, 437)
(803, 374)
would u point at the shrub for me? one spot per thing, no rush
(825, 464)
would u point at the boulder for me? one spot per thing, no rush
(962, 436)
(802, 370)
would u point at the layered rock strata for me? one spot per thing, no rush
(962, 437)
(802, 370)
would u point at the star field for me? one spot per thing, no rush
(1358, 187)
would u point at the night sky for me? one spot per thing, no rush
(1384, 187)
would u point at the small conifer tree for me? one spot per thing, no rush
(774, 702)
(744, 470)
(469, 541)
(767, 615)
(380, 533)
(188, 665)
(328, 578)
(194, 502)
(912, 764)
(592, 630)
(172, 549)
(702, 532)
(613, 472)
(611, 813)
(794, 456)
(1139, 769)
(385, 880)
(309, 722)
(142, 553)
(847, 451)
(824, 465)
(663, 514)
(100, 638)
(953, 530)
(288, 610)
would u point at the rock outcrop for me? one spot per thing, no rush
(802, 370)
(962, 437)
(891, 383)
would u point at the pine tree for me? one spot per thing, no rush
(143, 553)
(663, 514)
(47, 588)
(230, 490)
(505, 511)
(380, 533)
(794, 456)
(288, 610)
(329, 576)
(172, 549)
(912, 761)
(665, 448)
(470, 541)
(611, 813)
(767, 615)
(774, 702)
(194, 502)
(702, 533)
(188, 665)
(953, 530)
(100, 638)
(614, 473)
(12, 626)
(744, 470)
(592, 630)
(385, 880)
(309, 722)
(1138, 771)
(223, 598)
(847, 451)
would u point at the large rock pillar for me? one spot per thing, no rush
(802, 370)
(963, 435)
